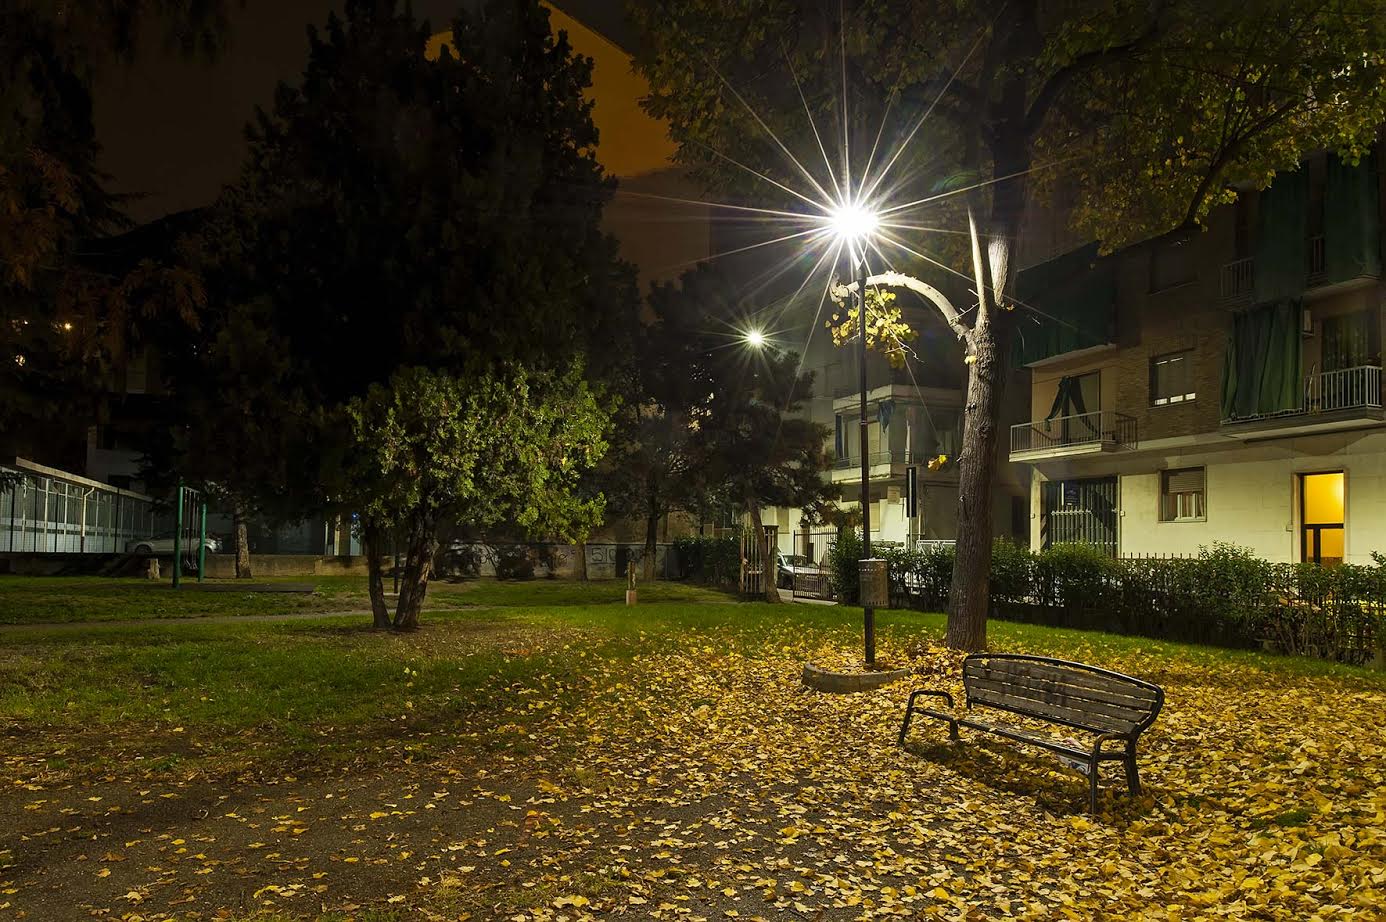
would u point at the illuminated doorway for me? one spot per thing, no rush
(1321, 518)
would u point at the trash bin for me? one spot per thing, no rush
(875, 588)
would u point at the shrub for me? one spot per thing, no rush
(1073, 575)
(843, 562)
(708, 560)
(513, 561)
(1012, 571)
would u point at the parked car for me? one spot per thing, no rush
(161, 545)
(791, 565)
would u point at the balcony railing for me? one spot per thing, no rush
(893, 456)
(1318, 265)
(1237, 279)
(1356, 388)
(1094, 430)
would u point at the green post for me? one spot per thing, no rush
(202, 546)
(178, 538)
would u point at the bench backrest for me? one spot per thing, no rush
(1072, 694)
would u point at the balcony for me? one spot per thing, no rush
(1237, 281)
(1329, 400)
(1067, 436)
(883, 465)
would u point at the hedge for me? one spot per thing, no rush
(1223, 596)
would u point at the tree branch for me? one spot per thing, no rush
(928, 292)
(1081, 64)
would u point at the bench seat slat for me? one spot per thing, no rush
(1058, 713)
(1007, 669)
(1135, 698)
(1102, 711)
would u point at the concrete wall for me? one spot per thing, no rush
(223, 566)
(1252, 496)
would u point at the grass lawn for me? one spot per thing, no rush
(47, 599)
(538, 751)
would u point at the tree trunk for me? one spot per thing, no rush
(413, 584)
(769, 589)
(989, 344)
(242, 540)
(373, 546)
(580, 559)
(651, 545)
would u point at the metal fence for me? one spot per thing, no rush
(48, 511)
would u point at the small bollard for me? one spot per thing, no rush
(630, 582)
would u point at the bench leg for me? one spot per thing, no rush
(1133, 778)
(1092, 786)
(905, 727)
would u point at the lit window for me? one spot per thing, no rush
(1171, 378)
(1182, 495)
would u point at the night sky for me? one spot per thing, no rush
(171, 128)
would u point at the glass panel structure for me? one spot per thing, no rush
(49, 512)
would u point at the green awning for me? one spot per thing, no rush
(1351, 220)
(1078, 293)
(1263, 368)
(1282, 228)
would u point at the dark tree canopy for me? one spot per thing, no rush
(64, 319)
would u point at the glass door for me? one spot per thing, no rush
(1321, 518)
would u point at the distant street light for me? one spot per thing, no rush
(754, 338)
(853, 224)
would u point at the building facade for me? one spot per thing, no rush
(1219, 386)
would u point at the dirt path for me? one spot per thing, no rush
(452, 836)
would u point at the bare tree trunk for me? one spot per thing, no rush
(580, 559)
(651, 545)
(373, 546)
(413, 584)
(769, 590)
(242, 539)
(989, 344)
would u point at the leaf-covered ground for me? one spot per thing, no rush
(575, 760)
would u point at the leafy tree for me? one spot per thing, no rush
(240, 427)
(1155, 110)
(741, 406)
(402, 209)
(485, 447)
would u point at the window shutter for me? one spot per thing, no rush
(1189, 480)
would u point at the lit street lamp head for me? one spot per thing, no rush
(853, 222)
(754, 338)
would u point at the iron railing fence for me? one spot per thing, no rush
(1357, 388)
(1097, 427)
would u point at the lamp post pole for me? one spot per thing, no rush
(868, 613)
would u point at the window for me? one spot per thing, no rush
(1321, 518)
(1182, 495)
(1171, 264)
(1171, 378)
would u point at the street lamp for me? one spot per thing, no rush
(853, 223)
(754, 338)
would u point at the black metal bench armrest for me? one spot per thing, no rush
(930, 693)
(1106, 737)
(909, 711)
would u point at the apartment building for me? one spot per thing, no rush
(1223, 385)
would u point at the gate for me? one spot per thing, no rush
(1080, 512)
(753, 564)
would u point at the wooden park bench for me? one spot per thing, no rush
(1116, 708)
